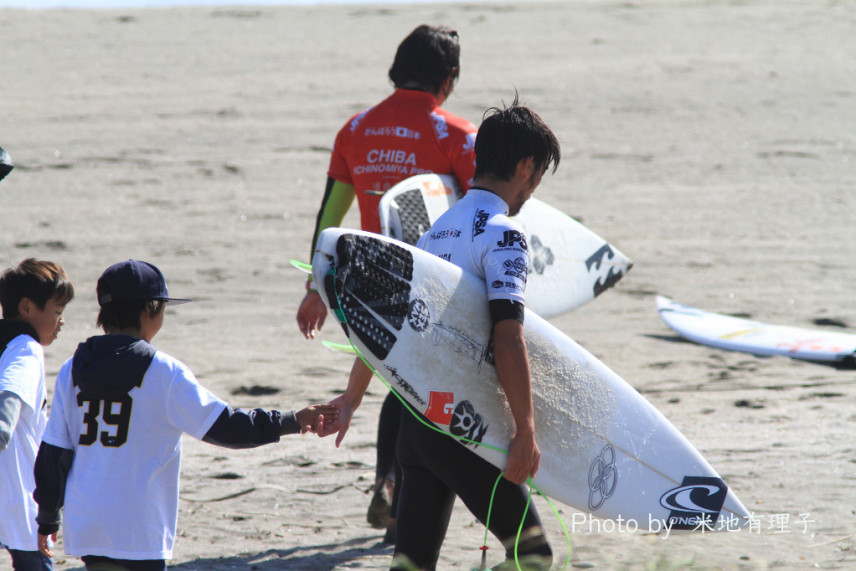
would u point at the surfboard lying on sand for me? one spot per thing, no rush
(419, 322)
(763, 339)
(569, 264)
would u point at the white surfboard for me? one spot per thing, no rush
(569, 264)
(763, 339)
(606, 450)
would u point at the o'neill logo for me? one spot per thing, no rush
(696, 503)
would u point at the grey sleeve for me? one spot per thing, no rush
(289, 423)
(10, 411)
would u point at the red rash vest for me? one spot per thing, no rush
(404, 135)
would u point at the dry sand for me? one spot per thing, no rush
(713, 142)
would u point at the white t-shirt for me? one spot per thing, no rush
(121, 497)
(477, 235)
(22, 371)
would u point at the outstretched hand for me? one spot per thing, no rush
(340, 424)
(314, 417)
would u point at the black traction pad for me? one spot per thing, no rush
(372, 289)
(413, 215)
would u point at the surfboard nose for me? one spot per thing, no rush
(735, 514)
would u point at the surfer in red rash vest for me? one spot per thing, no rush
(404, 135)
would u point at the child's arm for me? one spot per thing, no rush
(51, 471)
(10, 411)
(236, 428)
(247, 429)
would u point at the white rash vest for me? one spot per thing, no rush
(478, 236)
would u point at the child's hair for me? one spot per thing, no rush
(122, 315)
(37, 280)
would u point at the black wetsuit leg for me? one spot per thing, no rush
(387, 435)
(435, 468)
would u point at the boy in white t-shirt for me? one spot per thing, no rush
(33, 296)
(111, 452)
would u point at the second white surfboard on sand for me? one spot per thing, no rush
(762, 339)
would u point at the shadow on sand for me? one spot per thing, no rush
(305, 557)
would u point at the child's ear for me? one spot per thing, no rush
(25, 306)
(152, 313)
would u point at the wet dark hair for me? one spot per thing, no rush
(507, 136)
(426, 58)
(37, 280)
(121, 315)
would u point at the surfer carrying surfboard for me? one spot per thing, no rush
(406, 134)
(514, 149)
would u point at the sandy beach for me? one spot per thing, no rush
(712, 142)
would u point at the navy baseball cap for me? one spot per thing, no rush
(133, 281)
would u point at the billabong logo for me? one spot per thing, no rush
(597, 263)
(603, 478)
(695, 503)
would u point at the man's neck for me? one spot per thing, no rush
(501, 188)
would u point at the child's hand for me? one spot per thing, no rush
(45, 544)
(314, 417)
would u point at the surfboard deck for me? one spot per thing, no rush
(762, 339)
(569, 264)
(605, 449)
